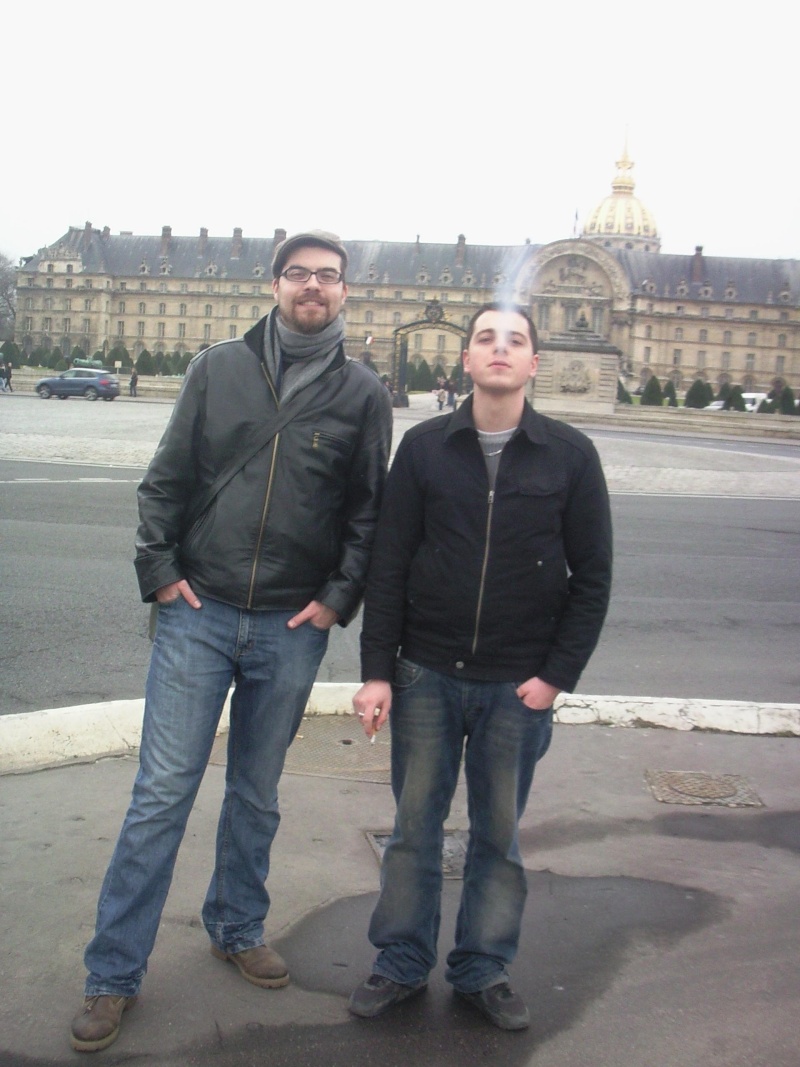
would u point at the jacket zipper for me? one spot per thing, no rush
(267, 496)
(483, 572)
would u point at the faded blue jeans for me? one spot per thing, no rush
(432, 714)
(197, 654)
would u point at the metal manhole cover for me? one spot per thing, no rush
(696, 787)
(454, 849)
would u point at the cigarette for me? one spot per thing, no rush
(375, 715)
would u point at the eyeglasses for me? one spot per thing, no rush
(325, 276)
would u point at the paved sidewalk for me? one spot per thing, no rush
(655, 933)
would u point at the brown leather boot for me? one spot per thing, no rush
(97, 1025)
(260, 965)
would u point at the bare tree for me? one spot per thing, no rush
(8, 298)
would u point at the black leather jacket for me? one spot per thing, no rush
(296, 523)
(501, 585)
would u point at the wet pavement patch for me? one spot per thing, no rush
(694, 787)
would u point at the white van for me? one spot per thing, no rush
(753, 400)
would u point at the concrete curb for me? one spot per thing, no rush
(37, 739)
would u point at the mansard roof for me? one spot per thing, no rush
(701, 277)
(412, 263)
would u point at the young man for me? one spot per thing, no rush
(253, 547)
(491, 576)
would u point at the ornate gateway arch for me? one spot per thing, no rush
(433, 320)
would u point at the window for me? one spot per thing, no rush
(703, 313)
(209, 288)
(647, 354)
(231, 332)
(396, 318)
(161, 329)
(728, 313)
(254, 312)
(142, 287)
(751, 339)
(680, 310)
(234, 311)
(68, 283)
(750, 361)
(140, 329)
(781, 340)
(120, 329)
(29, 304)
(398, 295)
(421, 297)
(780, 364)
(648, 332)
(67, 325)
(123, 286)
(49, 268)
(444, 297)
(752, 315)
(181, 309)
(184, 287)
(162, 309)
(121, 307)
(465, 321)
(726, 337)
(87, 305)
(467, 298)
(441, 340)
(235, 290)
(726, 361)
(69, 268)
(701, 360)
(543, 317)
(256, 290)
(46, 325)
(181, 329)
(68, 305)
(417, 342)
(703, 337)
(206, 332)
(162, 287)
(784, 316)
(49, 283)
(677, 354)
(679, 334)
(370, 294)
(87, 325)
(368, 317)
(88, 283)
(597, 320)
(142, 309)
(208, 311)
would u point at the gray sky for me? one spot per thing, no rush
(384, 121)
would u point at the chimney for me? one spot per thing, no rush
(106, 231)
(236, 248)
(461, 249)
(280, 235)
(697, 265)
(166, 238)
(417, 248)
(87, 229)
(203, 241)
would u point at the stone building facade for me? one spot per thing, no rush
(677, 316)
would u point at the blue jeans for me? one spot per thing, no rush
(197, 654)
(431, 715)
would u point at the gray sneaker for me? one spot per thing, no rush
(377, 994)
(501, 1006)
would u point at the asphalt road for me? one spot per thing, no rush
(705, 601)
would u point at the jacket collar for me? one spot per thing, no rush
(531, 423)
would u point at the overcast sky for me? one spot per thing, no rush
(388, 120)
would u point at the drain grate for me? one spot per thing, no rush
(454, 849)
(331, 746)
(696, 787)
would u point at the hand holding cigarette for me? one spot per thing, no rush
(372, 704)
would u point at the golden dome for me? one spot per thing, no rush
(621, 220)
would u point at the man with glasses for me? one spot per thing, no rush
(257, 516)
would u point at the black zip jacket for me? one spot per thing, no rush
(296, 523)
(500, 586)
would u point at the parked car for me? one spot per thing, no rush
(80, 381)
(752, 401)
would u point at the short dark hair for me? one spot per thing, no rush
(500, 305)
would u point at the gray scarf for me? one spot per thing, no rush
(305, 356)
